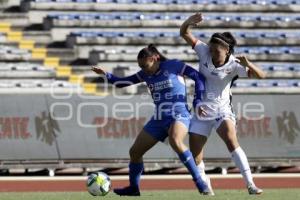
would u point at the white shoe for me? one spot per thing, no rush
(208, 191)
(253, 190)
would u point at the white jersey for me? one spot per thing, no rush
(217, 97)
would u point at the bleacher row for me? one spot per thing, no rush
(174, 19)
(220, 2)
(20, 86)
(168, 34)
(174, 16)
(262, 53)
(112, 36)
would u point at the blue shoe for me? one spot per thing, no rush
(128, 191)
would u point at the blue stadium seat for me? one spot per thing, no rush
(292, 50)
(127, 34)
(202, 35)
(123, 1)
(270, 35)
(248, 50)
(296, 68)
(84, 1)
(86, 17)
(262, 83)
(85, 34)
(124, 17)
(242, 2)
(148, 34)
(242, 83)
(169, 34)
(249, 35)
(280, 83)
(103, 17)
(265, 18)
(63, 1)
(270, 50)
(108, 34)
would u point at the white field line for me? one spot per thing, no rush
(145, 177)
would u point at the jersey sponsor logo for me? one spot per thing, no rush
(162, 85)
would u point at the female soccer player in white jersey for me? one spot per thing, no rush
(220, 69)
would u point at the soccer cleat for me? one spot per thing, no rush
(128, 191)
(208, 190)
(203, 187)
(252, 189)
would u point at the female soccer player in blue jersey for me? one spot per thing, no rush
(171, 118)
(220, 68)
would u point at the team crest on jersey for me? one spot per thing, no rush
(151, 87)
(227, 70)
(166, 73)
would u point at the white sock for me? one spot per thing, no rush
(201, 168)
(240, 159)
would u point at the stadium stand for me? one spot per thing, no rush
(46, 44)
(68, 39)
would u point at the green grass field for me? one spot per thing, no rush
(274, 194)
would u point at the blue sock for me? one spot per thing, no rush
(188, 160)
(135, 172)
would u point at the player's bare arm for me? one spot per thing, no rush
(185, 29)
(254, 71)
(98, 70)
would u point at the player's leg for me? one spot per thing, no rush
(197, 143)
(227, 132)
(177, 132)
(198, 133)
(142, 144)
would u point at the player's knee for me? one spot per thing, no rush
(176, 143)
(134, 154)
(175, 140)
(231, 144)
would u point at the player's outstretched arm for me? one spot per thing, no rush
(117, 81)
(185, 29)
(254, 71)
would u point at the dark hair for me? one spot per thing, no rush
(150, 51)
(225, 37)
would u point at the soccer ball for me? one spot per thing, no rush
(98, 184)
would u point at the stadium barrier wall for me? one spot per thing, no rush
(45, 127)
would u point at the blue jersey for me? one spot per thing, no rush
(167, 85)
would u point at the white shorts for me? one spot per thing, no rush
(204, 127)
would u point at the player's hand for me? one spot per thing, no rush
(195, 19)
(98, 70)
(201, 111)
(242, 59)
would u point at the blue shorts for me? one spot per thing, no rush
(159, 128)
